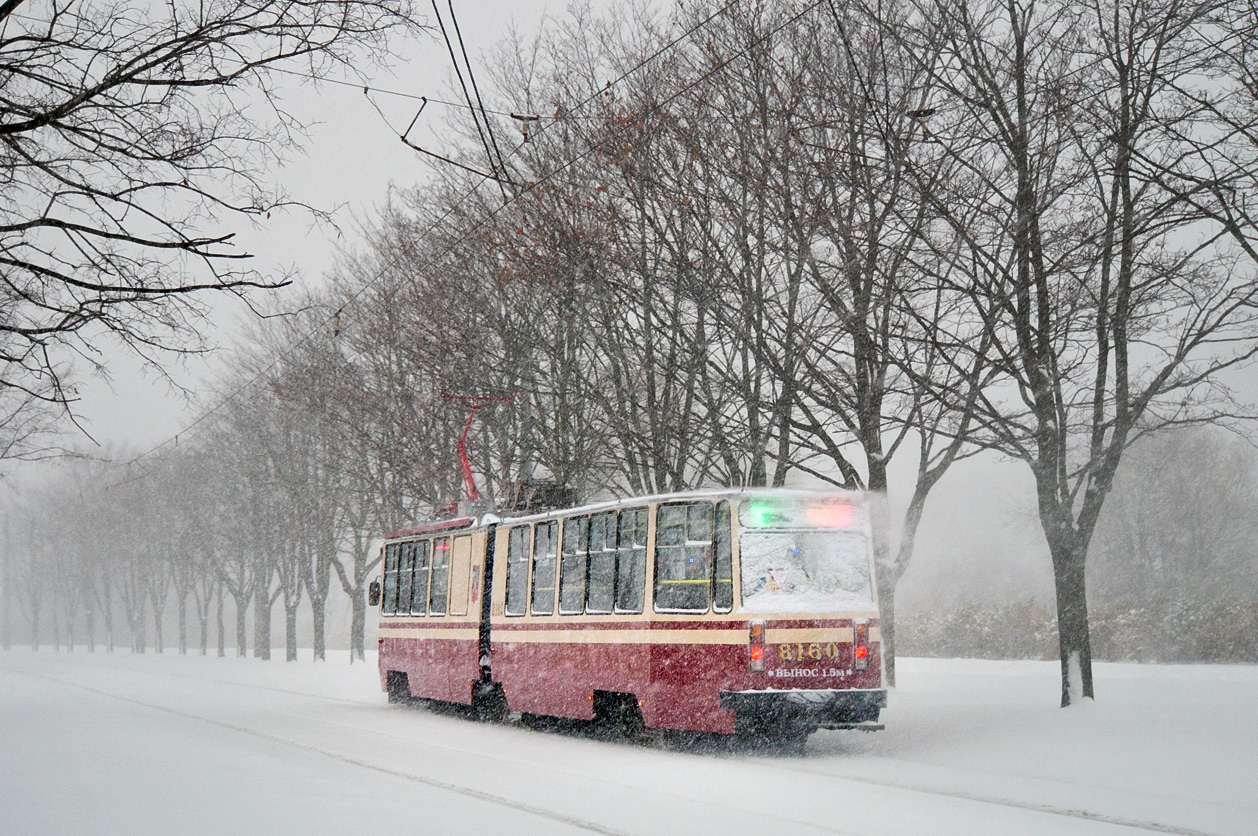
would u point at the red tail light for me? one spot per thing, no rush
(860, 650)
(756, 645)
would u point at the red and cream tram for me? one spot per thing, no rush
(732, 611)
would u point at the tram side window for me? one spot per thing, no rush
(460, 575)
(544, 536)
(419, 587)
(683, 557)
(631, 560)
(573, 565)
(723, 568)
(390, 579)
(405, 567)
(517, 570)
(602, 574)
(439, 590)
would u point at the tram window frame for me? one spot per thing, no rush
(633, 554)
(406, 566)
(549, 558)
(388, 604)
(689, 547)
(574, 565)
(519, 562)
(600, 572)
(722, 559)
(419, 602)
(442, 596)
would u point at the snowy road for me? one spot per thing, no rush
(121, 744)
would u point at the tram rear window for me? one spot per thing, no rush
(804, 570)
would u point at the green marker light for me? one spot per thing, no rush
(760, 514)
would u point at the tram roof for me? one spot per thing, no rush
(491, 517)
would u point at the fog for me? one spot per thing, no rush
(981, 543)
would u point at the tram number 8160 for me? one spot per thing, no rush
(812, 652)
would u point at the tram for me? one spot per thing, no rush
(749, 612)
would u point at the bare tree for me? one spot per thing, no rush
(128, 132)
(1101, 234)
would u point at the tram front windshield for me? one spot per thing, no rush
(804, 570)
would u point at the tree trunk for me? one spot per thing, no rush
(222, 630)
(158, 642)
(318, 614)
(183, 622)
(242, 613)
(1073, 635)
(358, 627)
(262, 623)
(290, 631)
(204, 618)
(890, 575)
(137, 632)
(362, 566)
(880, 529)
(107, 603)
(886, 627)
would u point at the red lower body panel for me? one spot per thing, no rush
(436, 669)
(678, 684)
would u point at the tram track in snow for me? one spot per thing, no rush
(458, 789)
(1051, 809)
(769, 763)
(455, 788)
(104, 663)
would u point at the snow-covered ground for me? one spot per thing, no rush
(162, 744)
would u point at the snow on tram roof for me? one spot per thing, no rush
(703, 493)
(432, 527)
(606, 505)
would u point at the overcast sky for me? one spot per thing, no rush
(353, 155)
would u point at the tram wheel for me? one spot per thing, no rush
(793, 740)
(535, 722)
(489, 703)
(778, 735)
(619, 714)
(398, 688)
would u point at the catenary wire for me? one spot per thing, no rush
(409, 248)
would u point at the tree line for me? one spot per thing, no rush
(1173, 574)
(748, 240)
